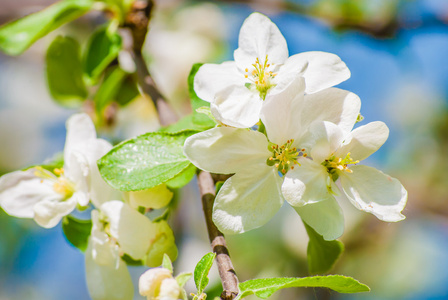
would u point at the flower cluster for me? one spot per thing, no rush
(119, 231)
(287, 134)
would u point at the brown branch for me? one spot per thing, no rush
(137, 22)
(218, 242)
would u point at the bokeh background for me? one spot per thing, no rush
(397, 51)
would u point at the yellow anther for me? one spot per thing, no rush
(247, 70)
(303, 149)
(271, 158)
(305, 155)
(246, 76)
(276, 165)
(288, 162)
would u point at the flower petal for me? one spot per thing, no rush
(280, 113)
(248, 200)
(149, 282)
(259, 37)
(80, 129)
(106, 282)
(364, 140)
(306, 184)
(123, 221)
(325, 138)
(227, 150)
(325, 217)
(103, 250)
(156, 197)
(373, 191)
(48, 213)
(237, 106)
(21, 190)
(334, 105)
(214, 78)
(324, 70)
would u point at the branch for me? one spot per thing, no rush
(137, 21)
(218, 242)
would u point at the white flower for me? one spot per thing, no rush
(117, 230)
(334, 157)
(254, 194)
(48, 196)
(236, 89)
(159, 284)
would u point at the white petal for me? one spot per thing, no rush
(100, 191)
(326, 137)
(149, 282)
(77, 171)
(237, 106)
(373, 191)
(213, 78)
(227, 150)
(123, 221)
(248, 200)
(324, 70)
(334, 105)
(104, 250)
(106, 282)
(169, 289)
(21, 190)
(325, 217)
(280, 113)
(80, 129)
(364, 140)
(305, 184)
(48, 213)
(156, 197)
(259, 37)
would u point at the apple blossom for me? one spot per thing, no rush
(334, 156)
(254, 194)
(46, 195)
(236, 89)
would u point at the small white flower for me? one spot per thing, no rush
(254, 194)
(236, 89)
(159, 284)
(48, 196)
(334, 158)
(117, 229)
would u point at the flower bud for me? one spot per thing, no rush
(158, 283)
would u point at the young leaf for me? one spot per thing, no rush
(196, 102)
(263, 288)
(103, 47)
(182, 278)
(201, 271)
(322, 254)
(145, 161)
(64, 71)
(166, 263)
(183, 124)
(183, 178)
(17, 36)
(109, 88)
(77, 231)
(128, 91)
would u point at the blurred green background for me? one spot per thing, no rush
(397, 51)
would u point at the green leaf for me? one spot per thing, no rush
(130, 261)
(77, 231)
(17, 36)
(166, 263)
(263, 288)
(182, 278)
(183, 178)
(103, 47)
(186, 123)
(109, 88)
(322, 254)
(128, 91)
(64, 71)
(201, 271)
(145, 161)
(196, 102)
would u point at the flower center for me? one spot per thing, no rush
(284, 157)
(61, 184)
(261, 77)
(333, 164)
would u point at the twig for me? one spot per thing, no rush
(218, 242)
(137, 22)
